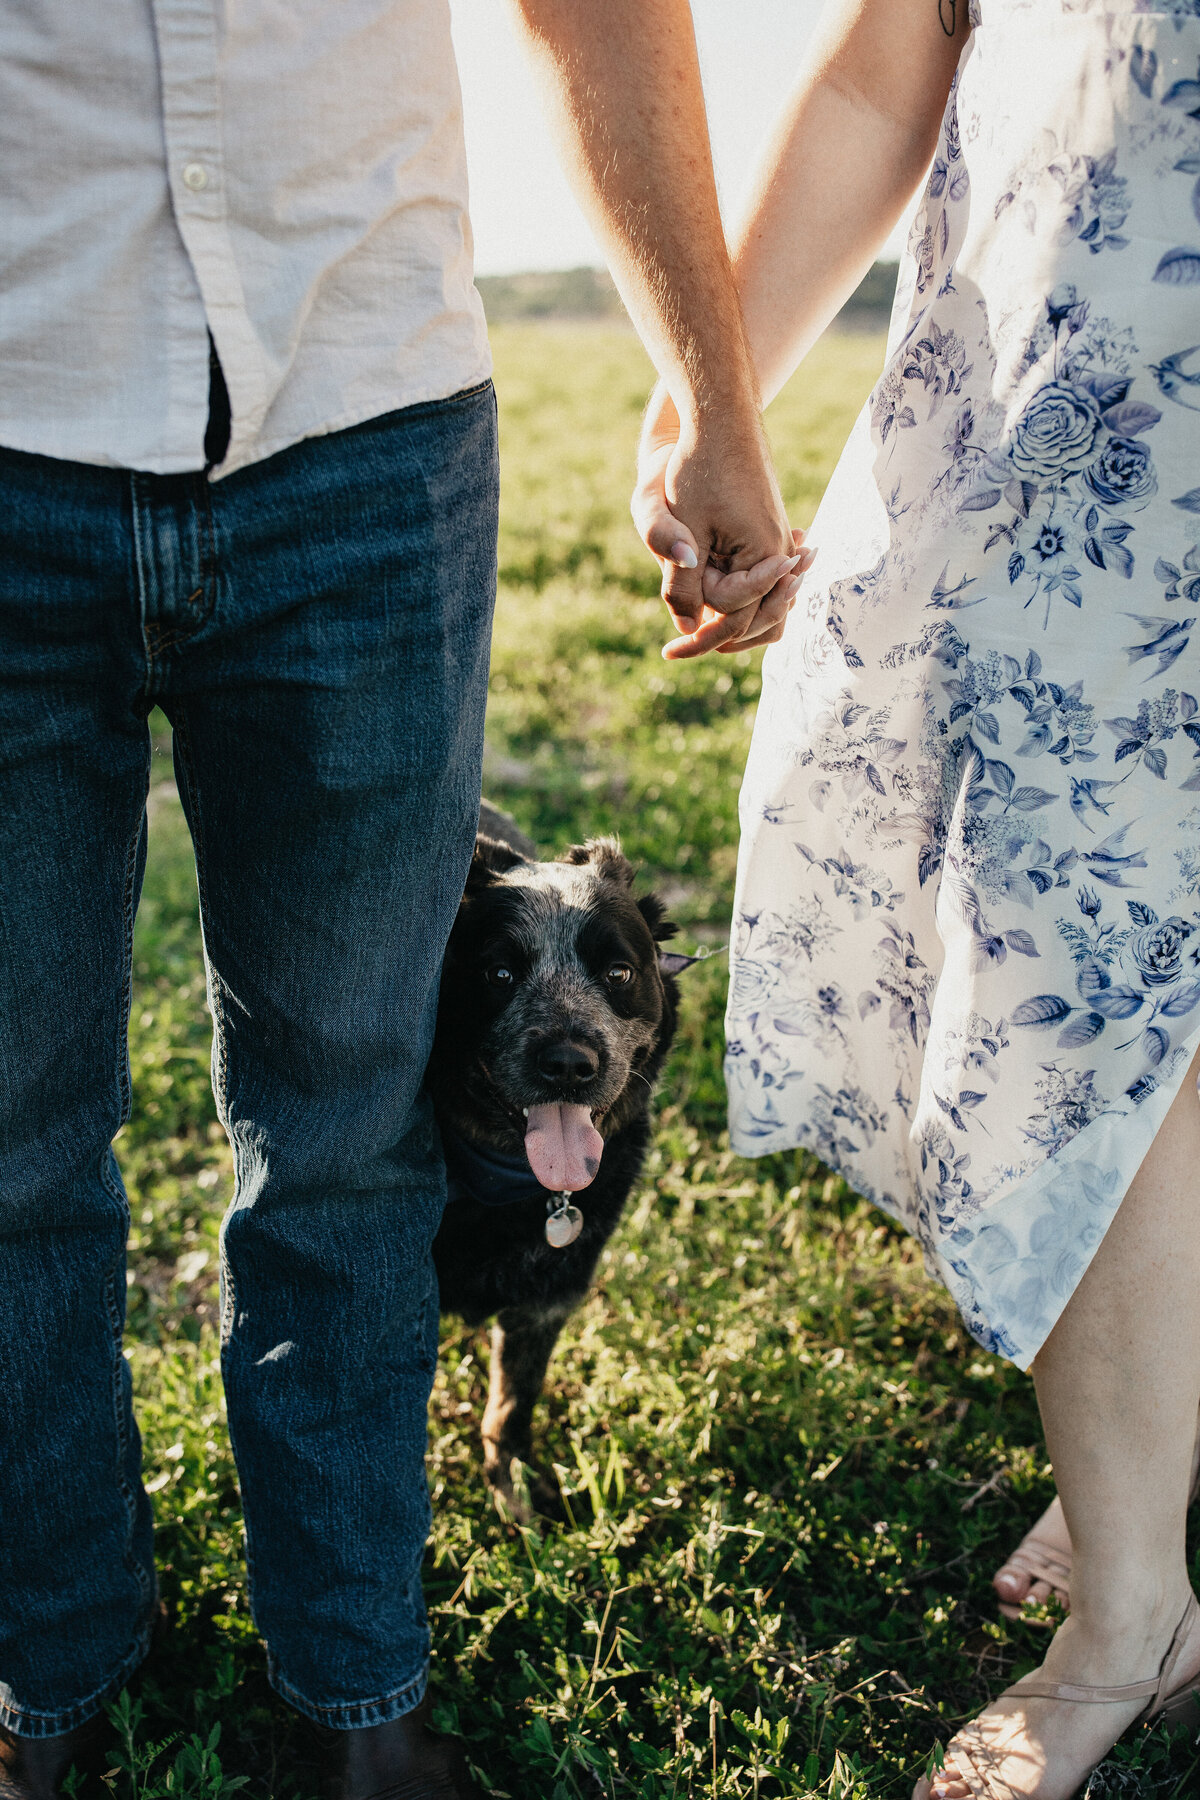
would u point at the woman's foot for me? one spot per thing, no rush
(1023, 1747)
(1039, 1569)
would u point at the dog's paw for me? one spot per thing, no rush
(521, 1492)
(512, 1490)
(547, 1499)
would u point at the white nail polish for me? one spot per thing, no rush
(683, 556)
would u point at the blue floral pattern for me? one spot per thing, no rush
(966, 943)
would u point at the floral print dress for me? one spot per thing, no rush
(966, 941)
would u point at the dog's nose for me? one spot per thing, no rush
(566, 1064)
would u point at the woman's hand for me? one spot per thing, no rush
(716, 471)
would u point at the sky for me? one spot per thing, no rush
(523, 213)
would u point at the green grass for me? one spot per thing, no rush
(788, 1471)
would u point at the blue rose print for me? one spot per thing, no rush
(1056, 434)
(1122, 473)
(1157, 950)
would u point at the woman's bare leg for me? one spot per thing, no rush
(1118, 1383)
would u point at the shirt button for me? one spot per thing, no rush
(195, 176)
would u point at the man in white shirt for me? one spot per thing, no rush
(248, 473)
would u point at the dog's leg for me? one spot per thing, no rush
(522, 1342)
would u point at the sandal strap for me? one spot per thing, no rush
(1156, 1689)
(1164, 1693)
(1040, 1561)
(1032, 1689)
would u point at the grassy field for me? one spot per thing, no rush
(789, 1473)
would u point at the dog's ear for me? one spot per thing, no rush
(604, 855)
(670, 962)
(674, 962)
(491, 858)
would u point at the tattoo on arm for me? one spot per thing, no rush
(948, 10)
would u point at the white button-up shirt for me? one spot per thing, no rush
(287, 174)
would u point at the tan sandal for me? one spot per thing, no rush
(1045, 1561)
(1041, 1560)
(976, 1765)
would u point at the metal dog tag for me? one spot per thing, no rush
(564, 1222)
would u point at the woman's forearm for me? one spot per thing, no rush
(832, 198)
(841, 165)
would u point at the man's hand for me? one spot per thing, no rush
(705, 500)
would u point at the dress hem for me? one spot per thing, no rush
(981, 1261)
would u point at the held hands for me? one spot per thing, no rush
(708, 509)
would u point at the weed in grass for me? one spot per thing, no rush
(141, 1769)
(787, 1472)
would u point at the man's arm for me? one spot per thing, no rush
(625, 99)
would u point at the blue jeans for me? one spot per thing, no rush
(316, 629)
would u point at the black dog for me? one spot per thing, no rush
(557, 1010)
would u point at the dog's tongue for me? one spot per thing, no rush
(563, 1146)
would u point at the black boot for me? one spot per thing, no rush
(33, 1768)
(402, 1760)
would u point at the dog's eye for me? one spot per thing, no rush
(501, 976)
(618, 974)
